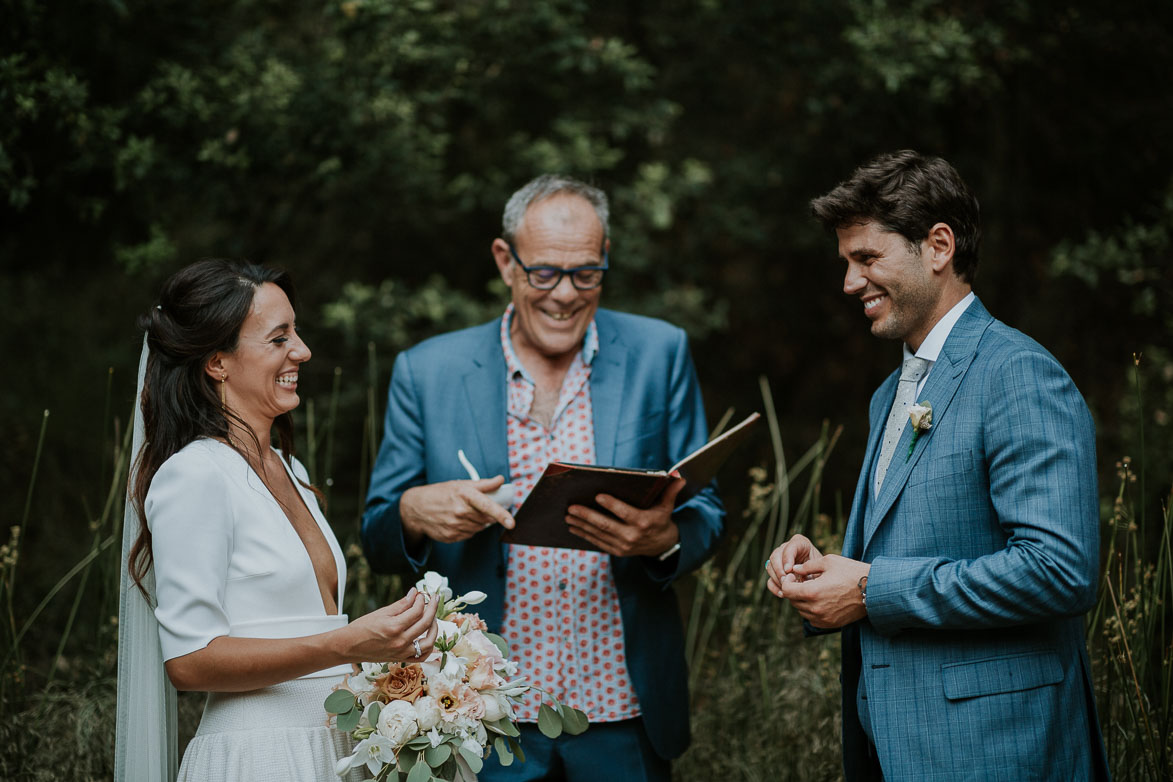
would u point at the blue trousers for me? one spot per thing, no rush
(615, 751)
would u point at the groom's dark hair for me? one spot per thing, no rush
(908, 193)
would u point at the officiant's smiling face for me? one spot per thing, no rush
(564, 231)
(262, 371)
(893, 280)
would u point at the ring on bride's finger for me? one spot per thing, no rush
(416, 645)
(425, 594)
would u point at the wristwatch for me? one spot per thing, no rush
(863, 590)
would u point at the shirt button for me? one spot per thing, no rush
(562, 585)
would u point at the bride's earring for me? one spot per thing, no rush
(223, 392)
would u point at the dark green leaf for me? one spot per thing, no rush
(549, 723)
(504, 756)
(435, 756)
(339, 702)
(349, 721)
(500, 643)
(474, 762)
(515, 745)
(420, 772)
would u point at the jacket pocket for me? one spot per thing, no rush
(994, 675)
(937, 468)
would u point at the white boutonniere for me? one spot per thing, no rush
(921, 416)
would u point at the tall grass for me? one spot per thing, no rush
(765, 700)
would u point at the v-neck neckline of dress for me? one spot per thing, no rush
(297, 490)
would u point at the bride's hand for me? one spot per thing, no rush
(387, 634)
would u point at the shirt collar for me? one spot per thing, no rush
(930, 349)
(514, 367)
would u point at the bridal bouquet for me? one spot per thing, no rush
(439, 718)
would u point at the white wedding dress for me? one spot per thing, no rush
(229, 562)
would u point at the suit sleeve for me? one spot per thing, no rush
(1039, 448)
(701, 520)
(398, 467)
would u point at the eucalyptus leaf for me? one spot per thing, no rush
(407, 761)
(435, 756)
(419, 742)
(500, 643)
(549, 723)
(339, 702)
(504, 756)
(373, 713)
(349, 721)
(574, 722)
(420, 772)
(470, 757)
(515, 745)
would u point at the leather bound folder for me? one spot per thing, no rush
(541, 519)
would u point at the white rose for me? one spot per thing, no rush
(921, 416)
(494, 706)
(427, 713)
(397, 722)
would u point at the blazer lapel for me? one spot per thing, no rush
(485, 390)
(944, 380)
(863, 501)
(608, 377)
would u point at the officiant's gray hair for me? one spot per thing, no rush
(543, 187)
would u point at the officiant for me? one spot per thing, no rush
(556, 378)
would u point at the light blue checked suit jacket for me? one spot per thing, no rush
(984, 546)
(449, 393)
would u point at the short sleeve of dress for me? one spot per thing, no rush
(189, 513)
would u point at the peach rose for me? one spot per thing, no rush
(400, 683)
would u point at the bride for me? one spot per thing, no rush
(242, 571)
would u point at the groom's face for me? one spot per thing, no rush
(892, 279)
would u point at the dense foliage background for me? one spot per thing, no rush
(369, 146)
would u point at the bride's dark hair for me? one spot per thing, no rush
(200, 311)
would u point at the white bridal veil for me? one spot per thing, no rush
(145, 743)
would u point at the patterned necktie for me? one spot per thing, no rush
(910, 374)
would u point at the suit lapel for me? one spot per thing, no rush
(608, 377)
(861, 504)
(944, 380)
(485, 391)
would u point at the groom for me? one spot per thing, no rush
(972, 547)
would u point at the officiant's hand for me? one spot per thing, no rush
(625, 530)
(451, 511)
(790, 562)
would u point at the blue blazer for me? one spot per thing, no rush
(449, 393)
(984, 546)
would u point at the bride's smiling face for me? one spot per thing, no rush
(262, 372)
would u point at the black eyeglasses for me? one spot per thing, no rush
(547, 278)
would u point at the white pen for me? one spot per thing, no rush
(503, 496)
(472, 471)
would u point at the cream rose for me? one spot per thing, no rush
(397, 723)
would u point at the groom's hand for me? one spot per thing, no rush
(452, 510)
(796, 552)
(625, 530)
(827, 593)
